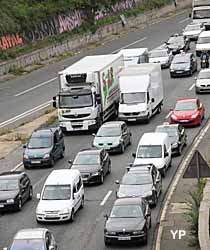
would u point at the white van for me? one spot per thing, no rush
(61, 196)
(203, 43)
(154, 148)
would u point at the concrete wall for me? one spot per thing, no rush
(83, 40)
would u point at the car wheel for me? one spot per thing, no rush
(150, 222)
(30, 196)
(203, 117)
(101, 178)
(62, 154)
(20, 204)
(155, 200)
(82, 203)
(52, 162)
(109, 168)
(72, 216)
(130, 140)
(106, 242)
(171, 76)
(26, 166)
(122, 148)
(145, 237)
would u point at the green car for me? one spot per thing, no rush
(112, 136)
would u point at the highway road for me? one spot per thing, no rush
(86, 232)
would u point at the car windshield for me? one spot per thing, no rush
(40, 142)
(185, 106)
(161, 53)
(9, 185)
(76, 101)
(85, 159)
(57, 192)
(175, 40)
(136, 179)
(150, 151)
(180, 60)
(109, 131)
(126, 211)
(192, 28)
(129, 98)
(201, 14)
(171, 131)
(202, 40)
(204, 75)
(28, 244)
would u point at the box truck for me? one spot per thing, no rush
(141, 92)
(89, 92)
(201, 12)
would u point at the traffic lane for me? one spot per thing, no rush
(15, 87)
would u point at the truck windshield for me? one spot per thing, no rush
(76, 101)
(129, 98)
(201, 14)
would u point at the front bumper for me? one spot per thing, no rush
(53, 217)
(132, 117)
(109, 148)
(187, 122)
(202, 89)
(37, 162)
(180, 73)
(4, 206)
(84, 125)
(123, 237)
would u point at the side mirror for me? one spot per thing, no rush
(93, 134)
(134, 155)
(70, 162)
(166, 154)
(24, 146)
(157, 180)
(117, 182)
(54, 102)
(98, 98)
(128, 168)
(195, 77)
(51, 247)
(106, 216)
(38, 196)
(152, 100)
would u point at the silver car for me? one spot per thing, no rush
(202, 83)
(162, 56)
(193, 30)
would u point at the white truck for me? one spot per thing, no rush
(201, 12)
(141, 92)
(89, 92)
(135, 56)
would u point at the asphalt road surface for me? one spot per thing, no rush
(86, 232)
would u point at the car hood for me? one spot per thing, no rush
(86, 168)
(37, 152)
(176, 46)
(203, 81)
(4, 195)
(127, 224)
(133, 190)
(53, 205)
(106, 140)
(156, 161)
(180, 66)
(131, 108)
(184, 114)
(158, 59)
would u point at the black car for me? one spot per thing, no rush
(44, 147)
(128, 221)
(178, 43)
(15, 190)
(141, 181)
(177, 136)
(184, 64)
(93, 164)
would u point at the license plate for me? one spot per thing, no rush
(184, 120)
(179, 72)
(77, 124)
(35, 162)
(1, 205)
(132, 120)
(124, 238)
(50, 216)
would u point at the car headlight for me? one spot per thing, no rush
(187, 69)
(96, 173)
(148, 193)
(10, 201)
(138, 232)
(46, 156)
(175, 144)
(172, 70)
(194, 116)
(25, 157)
(174, 117)
(110, 233)
(65, 211)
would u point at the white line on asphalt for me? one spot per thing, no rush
(184, 20)
(168, 115)
(35, 87)
(128, 45)
(106, 198)
(28, 112)
(17, 166)
(191, 87)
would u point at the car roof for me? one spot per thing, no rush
(93, 151)
(62, 176)
(205, 33)
(153, 138)
(31, 233)
(187, 100)
(168, 125)
(113, 124)
(128, 201)
(11, 175)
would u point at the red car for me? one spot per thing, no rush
(188, 111)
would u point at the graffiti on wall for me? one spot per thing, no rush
(10, 41)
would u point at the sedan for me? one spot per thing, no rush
(184, 64)
(93, 164)
(33, 239)
(15, 190)
(162, 56)
(141, 181)
(188, 112)
(128, 221)
(193, 30)
(113, 136)
(202, 84)
(178, 43)
(176, 134)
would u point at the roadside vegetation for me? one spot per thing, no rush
(23, 15)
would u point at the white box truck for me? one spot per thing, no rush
(201, 12)
(134, 56)
(89, 92)
(141, 92)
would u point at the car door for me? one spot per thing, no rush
(199, 108)
(166, 158)
(181, 135)
(56, 148)
(77, 194)
(126, 133)
(24, 188)
(145, 210)
(158, 181)
(105, 161)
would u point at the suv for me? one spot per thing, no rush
(15, 190)
(44, 147)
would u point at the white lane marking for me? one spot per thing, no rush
(191, 87)
(35, 87)
(17, 166)
(28, 112)
(106, 198)
(168, 115)
(128, 45)
(184, 20)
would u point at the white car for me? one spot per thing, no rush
(193, 30)
(162, 56)
(203, 43)
(202, 83)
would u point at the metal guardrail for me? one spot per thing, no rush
(203, 222)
